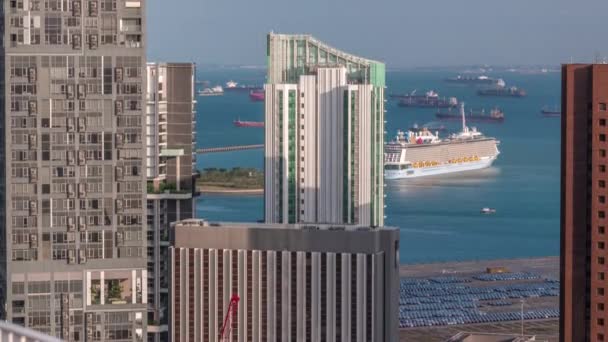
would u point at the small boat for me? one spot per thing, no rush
(488, 211)
(551, 113)
(257, 95)
(215, 91)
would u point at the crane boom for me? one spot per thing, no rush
(230, 317)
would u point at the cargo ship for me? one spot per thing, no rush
(419, 154)
(502, 92)
(429, 100)
(239, 123)
(495, 116)
(215, 91)
(475, 80)
(551, 113)
(257, 95)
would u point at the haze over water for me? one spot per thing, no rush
(438, 217)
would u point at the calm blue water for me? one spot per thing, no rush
(438, 217)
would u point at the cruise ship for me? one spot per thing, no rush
(418, 154)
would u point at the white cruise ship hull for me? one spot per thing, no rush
(440, 169)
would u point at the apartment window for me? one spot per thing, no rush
(600, 321)
(600, 306)
(602, 184)
(601, 245)
(601, 214)
(603, 107)
(601, 260)
(602, 168)
(600, 337)
(600, 276)
(602, 122)
(602, 137)
(601, 230)
(602, 199)
(600, 291)
(602, 153)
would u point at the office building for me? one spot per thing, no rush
(171, 158)
(324, 123)
(73, 188)
(295, 282)
(584, 254)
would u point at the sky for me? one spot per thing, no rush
(402, 33)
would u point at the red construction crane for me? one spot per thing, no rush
(231, 316)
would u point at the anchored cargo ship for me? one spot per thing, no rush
(502, 92)
(495, 116)
(239, 123)
(429, 100)
(551, 113)
(257, 95)
(418, 154)
(475, 80)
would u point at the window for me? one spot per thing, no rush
(602, 153)
(602, 122)
(603, 107)
(600, 337)
(601, 245)
(601, 260)
(602, 168)
(602, 184)
(602, 199)
(601, 230)
(600, 276)
(602, 137)
(600, 291)
(600, 321)
(601, 214)
(600, 306)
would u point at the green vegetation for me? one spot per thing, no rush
(233, 179)
(163, 188)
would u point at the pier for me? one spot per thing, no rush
(229, 148)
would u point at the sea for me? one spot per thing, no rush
(438, 218)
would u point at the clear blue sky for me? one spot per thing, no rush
(403, 33)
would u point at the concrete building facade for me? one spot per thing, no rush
(295, 282)
(171, 159)
(324, 141)
(73, 261)
(584, 254)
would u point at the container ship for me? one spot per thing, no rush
(429, 100)
(239, 123)
(502, 92)
(419, 154)
(495, 116)
(551, 113)
(257, 95)
(475, 80)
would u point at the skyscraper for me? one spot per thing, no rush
(584, 254)
(294, 282)
(170, 139)
(73, 261)
(324, 134)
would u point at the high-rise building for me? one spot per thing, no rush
(73, 190)
(584, 206)
(294, 282)
(170, 139)
(324, 134)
